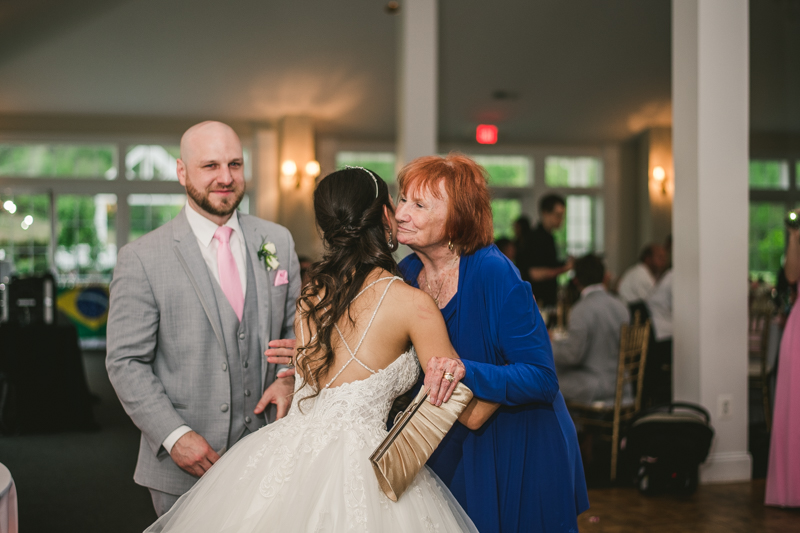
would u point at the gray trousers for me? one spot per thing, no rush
(162, 502)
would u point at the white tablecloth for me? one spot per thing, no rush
(8, 502)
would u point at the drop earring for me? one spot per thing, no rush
(450, 245)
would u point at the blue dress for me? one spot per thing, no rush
(522, 470)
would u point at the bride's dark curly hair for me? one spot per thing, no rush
(349, 216)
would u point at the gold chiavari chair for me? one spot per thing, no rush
(609, 417)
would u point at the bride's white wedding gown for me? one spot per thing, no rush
(310, 471)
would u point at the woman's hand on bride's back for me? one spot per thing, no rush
(441, 377)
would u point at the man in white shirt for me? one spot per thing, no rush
(637, 282)
(586, 359)
(194, 308)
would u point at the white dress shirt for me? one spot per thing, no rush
(636, 284)
(660, 305)
(204, 230)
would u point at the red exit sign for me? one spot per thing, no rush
(486, 134)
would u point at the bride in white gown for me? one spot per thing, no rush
(310, 471)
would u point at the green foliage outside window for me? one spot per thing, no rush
(767, 240)
(576, 236)
(572, 172)
(57, 160)
(382, 163)
(150, 211)
(504, 213)
(769, 174)
(78, 230)
(25, 246)
(76, 217)
(506, 171)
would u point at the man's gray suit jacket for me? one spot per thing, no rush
(586, 361)
(166, 354)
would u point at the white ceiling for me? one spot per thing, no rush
(576, 70)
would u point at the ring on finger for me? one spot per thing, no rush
(449, 377)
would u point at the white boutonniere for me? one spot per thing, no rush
(266, 252)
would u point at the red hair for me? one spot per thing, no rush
(468, 224)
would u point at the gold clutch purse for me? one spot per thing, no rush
(416, 433)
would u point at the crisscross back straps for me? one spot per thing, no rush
(363, 336)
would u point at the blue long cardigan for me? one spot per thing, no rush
(522, 470)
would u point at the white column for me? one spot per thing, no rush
(417, 109)
(267, 203)
(297, 193)
(710, 226)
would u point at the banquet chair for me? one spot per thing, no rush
(608, 418)
(758, 372)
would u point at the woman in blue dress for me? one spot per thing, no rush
(520, 471)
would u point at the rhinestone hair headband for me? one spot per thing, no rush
(371, 175)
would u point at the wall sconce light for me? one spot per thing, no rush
(312, 169)
(660, 177)
(292, 175)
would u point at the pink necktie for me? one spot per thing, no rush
(229, 278)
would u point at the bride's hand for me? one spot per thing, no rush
(441, 378)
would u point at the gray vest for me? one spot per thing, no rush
(244, 359)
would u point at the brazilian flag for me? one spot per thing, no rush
(87, 307)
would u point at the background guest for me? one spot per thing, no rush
(586, 359)
(637, 282)
(508, 248)
(541, 262)
(523, 251)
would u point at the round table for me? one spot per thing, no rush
(8, 502)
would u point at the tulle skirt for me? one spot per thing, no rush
(302, 476)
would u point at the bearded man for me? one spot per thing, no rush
(194, 305)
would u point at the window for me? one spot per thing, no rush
(769, 174)
(774, 192)
(578, 235)
(86, 250)
(504, 213)
(67, 221)
(25, 232)
(382, 163)
(58, 160)
(506, 171)
(150, 211)
(152, 162)
(573, 172)
(582, 232)
(767, 239)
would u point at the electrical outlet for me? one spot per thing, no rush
(724, 406)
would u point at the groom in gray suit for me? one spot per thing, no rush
(193, 308)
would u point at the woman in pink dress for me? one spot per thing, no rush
(783, 475)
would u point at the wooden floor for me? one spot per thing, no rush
(734, 508)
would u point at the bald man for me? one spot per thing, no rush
(193, 310)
